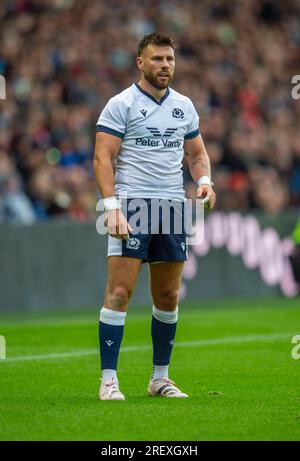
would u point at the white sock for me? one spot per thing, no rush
(165, 316)
(160, 371)
(108, 375)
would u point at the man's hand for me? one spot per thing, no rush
(207, 191)
(117, 225)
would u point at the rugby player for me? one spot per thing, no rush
(142, 135)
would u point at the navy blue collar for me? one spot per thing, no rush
(152, 97)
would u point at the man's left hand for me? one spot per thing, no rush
(207, 191)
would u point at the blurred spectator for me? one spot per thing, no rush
(15, 205)
(63, 59)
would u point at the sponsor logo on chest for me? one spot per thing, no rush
(160, 138)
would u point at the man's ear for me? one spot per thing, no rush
(139, 62)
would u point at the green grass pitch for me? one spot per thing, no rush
(232, 358)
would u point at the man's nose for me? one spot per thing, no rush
(166, 63)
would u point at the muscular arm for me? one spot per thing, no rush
(199, 165)
(106, 148)
(197, 158)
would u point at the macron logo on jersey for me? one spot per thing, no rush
(161, 141)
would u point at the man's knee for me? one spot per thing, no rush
(167, 299)
(118, 298)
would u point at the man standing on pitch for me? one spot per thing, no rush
(146, 129)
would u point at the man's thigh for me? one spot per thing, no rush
(165, 279)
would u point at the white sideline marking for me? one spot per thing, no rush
(143, 347)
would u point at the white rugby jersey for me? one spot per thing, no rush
(149, 163)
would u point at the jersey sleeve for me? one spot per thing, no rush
(193, 126)
(112, 119)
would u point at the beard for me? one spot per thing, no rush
(156, 82)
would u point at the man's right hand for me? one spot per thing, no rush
(117, 225)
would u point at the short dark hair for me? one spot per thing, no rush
(157, 38)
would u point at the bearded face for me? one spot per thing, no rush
(157, 63)
(160, 80)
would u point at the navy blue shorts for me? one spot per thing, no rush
(158, 231)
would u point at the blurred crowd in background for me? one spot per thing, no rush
(63, 59)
